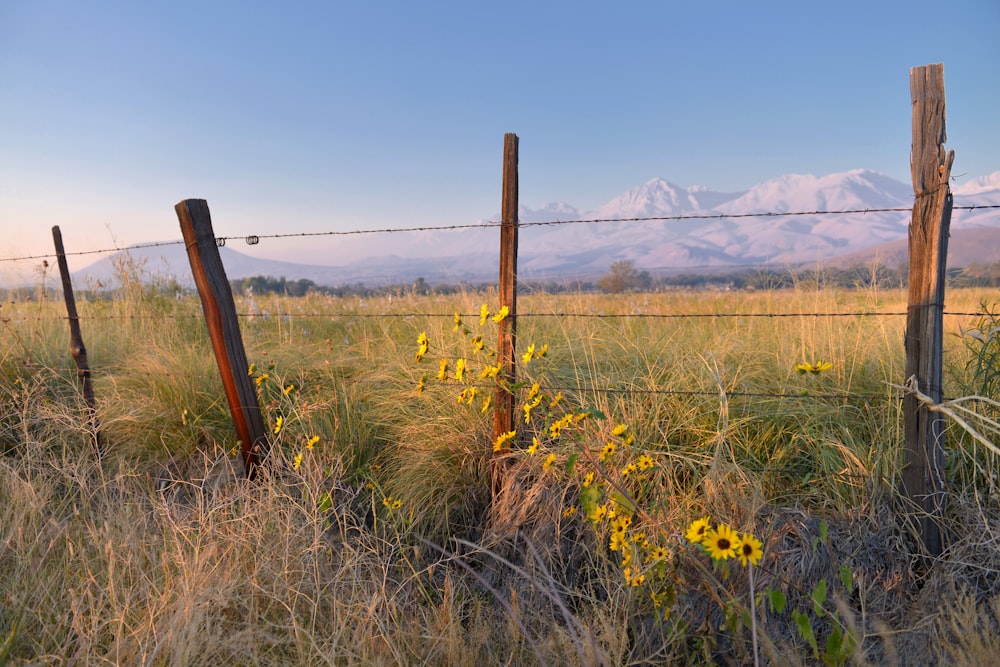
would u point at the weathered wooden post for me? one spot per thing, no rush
(930, 166)
(76, 346)
(503, 410)
(224, 329)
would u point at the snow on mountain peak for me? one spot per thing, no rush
(981, 185)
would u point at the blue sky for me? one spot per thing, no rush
(314, 116)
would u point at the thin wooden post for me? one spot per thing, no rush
(76, 346)
(930, 166)
(503, 410)
(224, 329)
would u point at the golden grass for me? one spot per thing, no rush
(160, 553)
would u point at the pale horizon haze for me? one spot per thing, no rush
(336, 116)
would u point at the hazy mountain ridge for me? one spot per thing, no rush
(703, 238)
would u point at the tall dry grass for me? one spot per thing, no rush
(158, 552)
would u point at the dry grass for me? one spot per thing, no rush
(160, 553)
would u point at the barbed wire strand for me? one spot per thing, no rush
(492, 224)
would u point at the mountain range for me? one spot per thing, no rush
(778, 223)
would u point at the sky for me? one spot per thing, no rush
(335, 116)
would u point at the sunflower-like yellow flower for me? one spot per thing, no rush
(392, 503)
(645, 462)
(297, 461)
(486, 404)
(312, 442)
(252, 369)
(533, 447)
(599, 513)
(569, 511)
(459, 369)
(289, 389)
(815, 368)
(696, 531)
(721, 542)
(619, 430)
(529, 354)
(607, 452)
(484, 314)
(549, 460)
(422, 345)
(261, 379)
(421, 384)
(503, 439)
(458, 322)
(490, 372)
(749, 550)
(555, 399)
(629, 469)
(501, 314)
(278, 423)
(634, 577)
(443, 369)
(588, 479)
(477, 343)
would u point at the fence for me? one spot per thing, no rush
(923, 480)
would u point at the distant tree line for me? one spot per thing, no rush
(623, 277)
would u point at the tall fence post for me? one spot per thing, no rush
(76, 346)
(930, 166)
(224, 329)
(503, 411)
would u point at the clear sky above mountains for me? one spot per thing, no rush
(314, 116)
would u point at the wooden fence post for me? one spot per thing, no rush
(930, 166)
(224, 329)
(76, 346)
(503, 410)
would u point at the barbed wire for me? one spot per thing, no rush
(253, 239)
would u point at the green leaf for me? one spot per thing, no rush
(571, 463)
(776, 599)
(593, 412)
(824, 531)
(834, 647)
(819, 597)
(325, 503)
(805, 630)
(590, 497)
(847, 578)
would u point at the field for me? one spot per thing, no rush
(373, 537)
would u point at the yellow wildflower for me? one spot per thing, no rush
(278, 423)
(749, 550)
(421, 385)
(607, 452)
(555, 399)
(629, 469)
(484, 314)
(312, 442)
(721, 542)
(486, 404)
(477, 343)
(289, 389)
(458, 322)
(619, 430)
(815, 368)
(459, 369)
(569, 511)
(588, 480)
(501, 314)
(443, 370)
(503, 439)
(261, 379)
(252, 369)
(423, 344)
(297, 461)
(533, 448)
(529, 354)
(696, 531)
(549, 460)
(645, 462)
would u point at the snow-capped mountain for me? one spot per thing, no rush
(692, 228)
